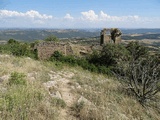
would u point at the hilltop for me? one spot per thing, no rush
(58, 91)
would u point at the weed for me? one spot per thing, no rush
(58, 102)
(77, 108)
(17, 79)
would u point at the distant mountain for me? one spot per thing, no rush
(40, 34)
(140, 31)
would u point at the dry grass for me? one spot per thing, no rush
(108, 98)
(29, 101)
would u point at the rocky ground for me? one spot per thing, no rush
(80, 94)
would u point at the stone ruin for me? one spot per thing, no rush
(112, 35)
(46, 49)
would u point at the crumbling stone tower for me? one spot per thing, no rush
(116, 35)
(105, 38)
(112, 35)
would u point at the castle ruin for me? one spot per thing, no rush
(46, 49)
(112, 35)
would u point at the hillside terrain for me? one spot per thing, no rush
(113, 81)
(53, 90)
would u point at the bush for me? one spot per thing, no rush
(141, 72)
(52, 38)
(56, 56)
(18, 49)
(17, 79)
(104, 70)
(110, 55)
(84, 63)
(136, 51)
(58, 102)
(144, 79)
(12, 41)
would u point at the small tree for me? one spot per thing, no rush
(144, 78)
(52, 38)
(136, 51)
(12, 41)
(141, 72)
(110, 55)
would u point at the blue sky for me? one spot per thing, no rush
(80, 13)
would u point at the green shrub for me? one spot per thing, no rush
(110, 55)
(104, 70)
(58, 102)
(56, 56)
(136, 51)
(12, 41)
(18, 49)
(52, 38)
(84, 63)
(17, 79)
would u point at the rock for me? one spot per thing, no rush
(3, 89)
(72, 87)
(123, 116)
(50, 84)
(3, 78)
(32, 76)
(52, 72)
(28, 58)
(56, 95)
(31, 79)
(78, 86)
(51, 76)
(84, 100)
(70, 75)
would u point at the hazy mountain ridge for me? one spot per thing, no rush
(40, 34)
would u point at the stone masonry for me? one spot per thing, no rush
(46, 49)
(112, 35)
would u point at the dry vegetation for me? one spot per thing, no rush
(84, 95)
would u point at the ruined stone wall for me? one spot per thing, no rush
(46, 49)
(107, 39)
(113, 36)
(118, 40)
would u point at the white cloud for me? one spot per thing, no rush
(30, 18)
(68, 16)
(103, 19)
(88, 19)
(103, 16)
(90, 15)
(28, 14)
(35, 14)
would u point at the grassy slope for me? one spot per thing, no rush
(106, 95)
